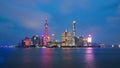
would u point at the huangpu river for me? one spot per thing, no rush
(59, 57)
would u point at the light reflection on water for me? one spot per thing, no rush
(26, 57)
(49, 57)
(89, 58)
(59, 58)
(46, 58)
(67, 58)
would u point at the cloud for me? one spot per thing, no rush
(19, 19)
(83, 4)
(93, 30)
(35, 21)
(119, 9)
(67, 6)
(116, 18)
(26, 2)
(27, 18)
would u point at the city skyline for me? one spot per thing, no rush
(19, 19)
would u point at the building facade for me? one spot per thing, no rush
(66, 38)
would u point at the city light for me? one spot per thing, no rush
(74, 21)
(68, 39)
(119, 45)
(89, 39)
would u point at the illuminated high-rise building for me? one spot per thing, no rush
(53, 38)
(36, 40)
(80, 41)
(119, 45)
(85, 43)
(73, 33)
(46, 38)
(89, 40)
(66, 37)
(27, 42)
(74, 28)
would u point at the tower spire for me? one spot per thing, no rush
(74, 28)
(46, 27)
(73, 32)
(46, 37)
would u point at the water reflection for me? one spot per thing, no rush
(1, 59)
(46, 58)
(89, 58)
(26, 57)
(67, 58)
(60, 58)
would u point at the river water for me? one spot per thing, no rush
(59, 57)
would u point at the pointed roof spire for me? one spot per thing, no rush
(66, 30)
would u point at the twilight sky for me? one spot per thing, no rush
(21, 18)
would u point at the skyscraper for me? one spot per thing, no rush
(73, 33)
(74, 28)
(89, 40)
(27, 42)
(66, 37)
(46, 38)
(80, 42)
(36, 40)
(53, 38)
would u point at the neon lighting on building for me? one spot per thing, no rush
(46, 38)
(89, 39)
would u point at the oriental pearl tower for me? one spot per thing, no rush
(46, 38)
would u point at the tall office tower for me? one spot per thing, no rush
(27, 42)
(53, 38)
(46, 38)
(66, 37)
(36, 40)
(73, 33)
(89, 40)
(81, 41)
(74, 28)
(85, 42)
